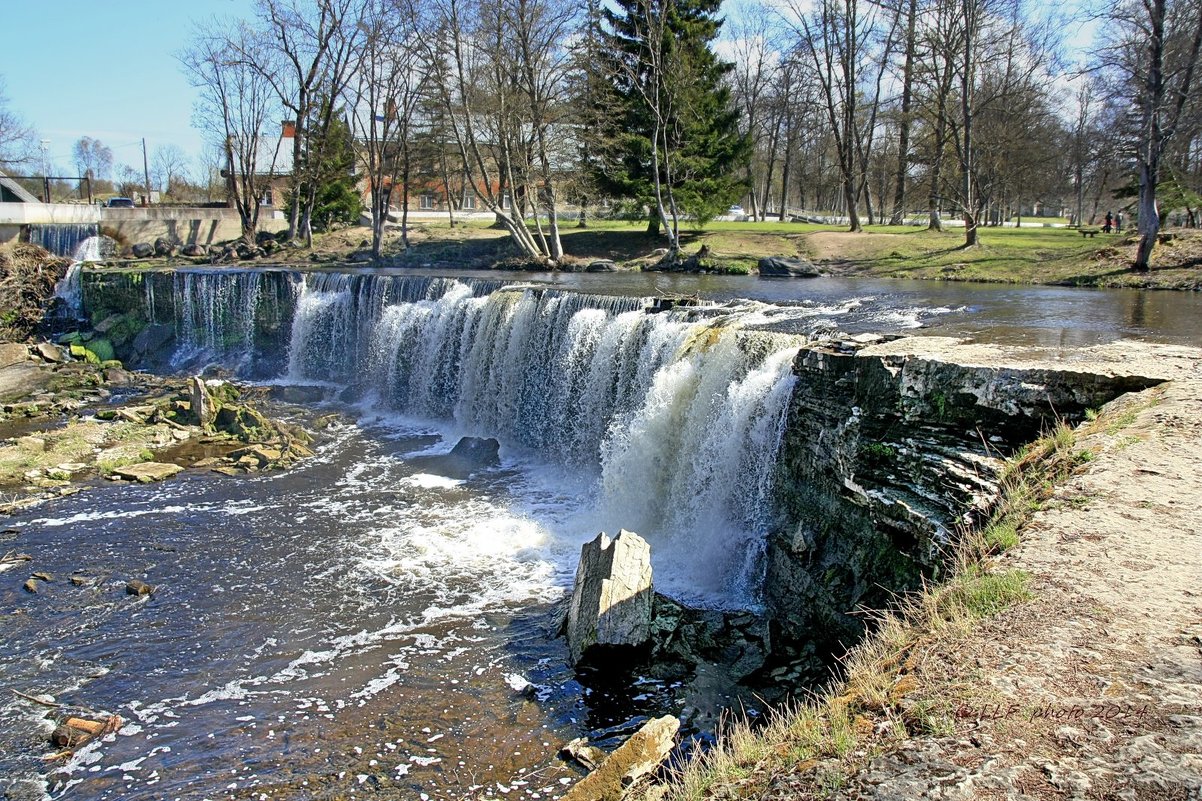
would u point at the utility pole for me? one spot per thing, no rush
(45, 170)
(146, 170)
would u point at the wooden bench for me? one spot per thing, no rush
(1089, 232)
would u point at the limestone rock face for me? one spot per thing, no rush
(891, 446)
(612, 597)
(618, 776)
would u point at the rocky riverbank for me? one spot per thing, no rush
(66, 421)
(1061, 660)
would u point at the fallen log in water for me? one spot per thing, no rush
(75, 732)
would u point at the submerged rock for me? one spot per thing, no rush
(478, 451)
(612, 596)
(639, 756)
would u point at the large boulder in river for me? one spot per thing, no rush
(142, 250)
(611, 599)
(478, 451)
(469, 455)
(780, 267)
(164, 247)
(204, 405)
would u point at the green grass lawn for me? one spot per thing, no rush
(1032, 253)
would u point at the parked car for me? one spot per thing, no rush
(119, 203)
(735, 211)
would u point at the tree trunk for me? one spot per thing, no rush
(903, 126)
(966, 120)
(1151, 139)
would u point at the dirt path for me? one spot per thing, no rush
(1093, 689)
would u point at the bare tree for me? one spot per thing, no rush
(905, 113)
(236, 108)
(834, 34)
(755, 75)
(18, 142)
(93, 158)
(169, 167)
(305, 54)
(1157, 50)
(500, 70)
(384, 99)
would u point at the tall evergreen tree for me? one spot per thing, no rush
(329, 161)
(668, 136)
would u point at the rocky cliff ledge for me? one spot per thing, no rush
(890, 447)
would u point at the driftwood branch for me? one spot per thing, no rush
(36, 700)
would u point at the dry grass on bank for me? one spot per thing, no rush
(812, 749)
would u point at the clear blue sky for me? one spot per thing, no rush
(105, 69)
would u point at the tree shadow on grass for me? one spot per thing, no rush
(616, 244)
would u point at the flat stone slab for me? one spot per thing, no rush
(13, 353)
(1123, 358)
(147, 472)
(640, 755)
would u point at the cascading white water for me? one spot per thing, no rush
(216, 320)
(70, 287)
(678, 416)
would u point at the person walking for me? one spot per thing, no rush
(1108, 223)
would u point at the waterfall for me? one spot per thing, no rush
(674, 417)
(217, 320)
(69, 288)
(679, 414)
(62, 239)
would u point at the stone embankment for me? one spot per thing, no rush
(893, 448)
(1062, 663)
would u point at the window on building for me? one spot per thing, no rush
(505, 201)
(469, 201)
(426, 201)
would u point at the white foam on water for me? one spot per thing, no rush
(231, 508)
(431, 481)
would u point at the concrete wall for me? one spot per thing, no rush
(182, 225)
